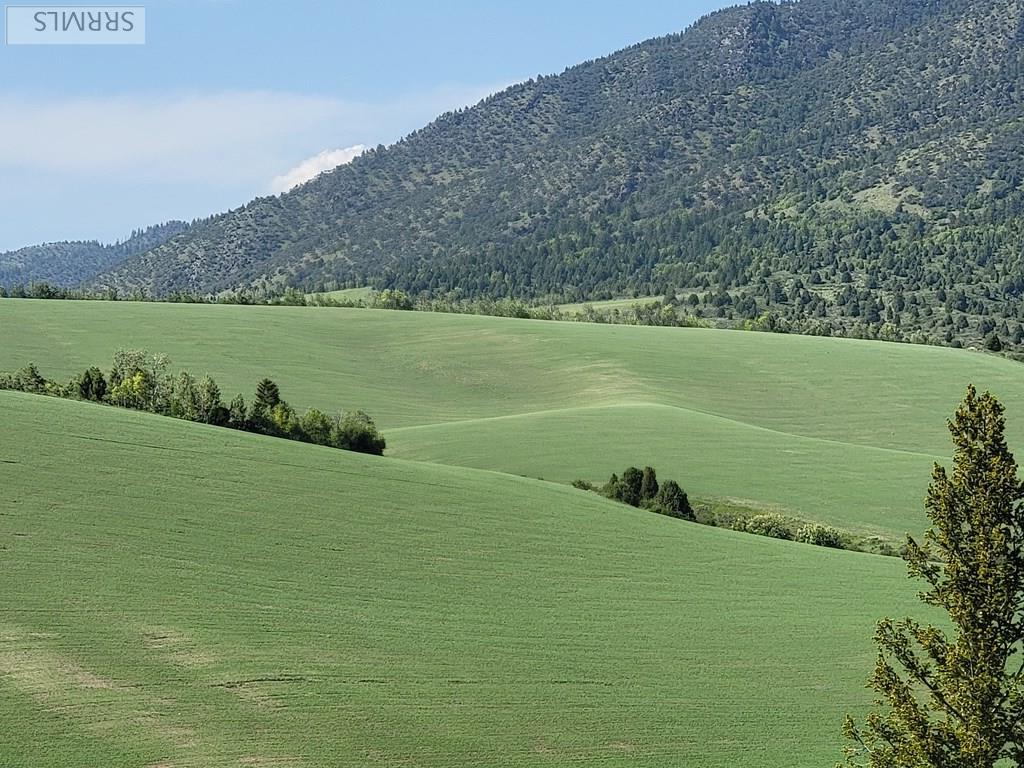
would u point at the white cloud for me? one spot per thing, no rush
(313, 166)
(221, 139)
(100, 167)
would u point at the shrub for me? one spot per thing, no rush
(671, 500)
(355, 431)
(649, 484)
(820, 535)
(28, 379)
(769, 524)
(584, 485)
(630, 485)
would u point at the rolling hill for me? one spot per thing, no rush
(848, 167)
(836, 430)
(181, 595)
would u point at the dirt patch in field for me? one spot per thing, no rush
(176, 646)
(45, 676)
(63, 686)
(255, 694)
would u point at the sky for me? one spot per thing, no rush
(233, 99)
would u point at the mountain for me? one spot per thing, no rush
(70, 263)
(832, 162)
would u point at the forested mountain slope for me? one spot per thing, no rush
(70, 263)
(842, 163)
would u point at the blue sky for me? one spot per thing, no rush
(230, 100)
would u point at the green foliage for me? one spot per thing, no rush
(238, 414)
(640, 488)
(671, 500)
(389, 299)
(649, 484)
(282, 420)
(267, 395)
(355, 431)
(315, 427)
(821, 536)
(768, 524)
(629, 488)
(140, 381)
(611, 489)
(92, 385)
(28, 379)
(955, 697)
(133, 390)
(185, 398)
(210, 408)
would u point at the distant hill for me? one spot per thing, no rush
(72, 262)
(748, 416)
(845, 165)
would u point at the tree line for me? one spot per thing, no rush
(143, 382)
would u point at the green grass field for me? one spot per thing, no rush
(345, 294)
(577, 308)
(178, 595)
(837, 430)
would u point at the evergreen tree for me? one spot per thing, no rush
(211, 409)
(952, 699)
(92, 385)
(672, 500)
(185, 398)
(267, 395)
(649, 484)
(238, 414)
(612, 489)
(632, 481)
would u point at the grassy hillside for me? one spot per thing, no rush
(832, 429)
(181, 595)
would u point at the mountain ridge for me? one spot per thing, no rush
(768, 150)
(69, 262)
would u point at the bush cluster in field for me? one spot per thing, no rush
(142, 381)
(640, 488)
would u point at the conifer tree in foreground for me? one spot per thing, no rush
(956, 699)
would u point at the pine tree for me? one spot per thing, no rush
(632, 480)
(267, 395)
(238, 414)
(649, 484)
(956, 700)
(673, 501)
